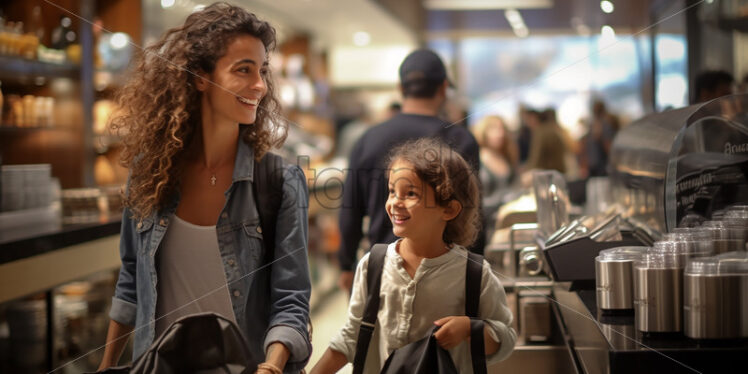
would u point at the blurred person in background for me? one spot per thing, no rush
(423, 85)
(596, 143)
(498, 164)
(194, 130)
(548, 147)
(572, 148)
(350, 132)
(524, 134)
(711, 84)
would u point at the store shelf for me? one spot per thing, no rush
(7, 129)
(17, 68)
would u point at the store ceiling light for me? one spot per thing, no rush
(518, 24)
(607, 35)
(361, 38)
(513, 16)
(607, 6)
(118, 40)
(167, 3)
(486, 4)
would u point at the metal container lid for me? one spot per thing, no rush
(737, 218)
(660, 260)
(728, 229)
(730, 263)
(688, 248)
(738, 207)
(690, 233)
(621, 254)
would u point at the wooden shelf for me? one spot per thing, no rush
(5, 129)
(17, 68)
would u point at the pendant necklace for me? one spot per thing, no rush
(213, 179)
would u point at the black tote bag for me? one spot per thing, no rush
(423, 356)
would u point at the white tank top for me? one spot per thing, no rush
(190, 274)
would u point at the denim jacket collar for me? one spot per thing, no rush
(245, 155)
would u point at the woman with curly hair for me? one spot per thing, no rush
(197, 118)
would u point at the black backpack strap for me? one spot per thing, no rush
(374, 282)
(473, 276)
(473, 279)
(267, 187)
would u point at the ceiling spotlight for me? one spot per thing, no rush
(607, 35)
(119, 40)
(361, 38)
(607, 6)
(608, 32)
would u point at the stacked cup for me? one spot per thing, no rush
(658, 282)
(614, 271)
(716, 297)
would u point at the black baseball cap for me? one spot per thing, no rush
(423, 64)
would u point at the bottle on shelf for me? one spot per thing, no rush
(37, 24)
(63, 35)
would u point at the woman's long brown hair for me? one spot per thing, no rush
(160, 104)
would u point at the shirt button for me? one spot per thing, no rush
(140, 225)
(259, 230)
(163, 222)
(225, 215)
(237, 293)
(231, 262)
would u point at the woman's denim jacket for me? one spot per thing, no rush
(271, 303)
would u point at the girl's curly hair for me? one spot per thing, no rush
(451, 177)
(160, 104)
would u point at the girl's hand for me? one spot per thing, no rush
(453, 331)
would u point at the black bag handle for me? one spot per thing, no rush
(374, 282)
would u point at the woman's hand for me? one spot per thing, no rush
(453, 331)
(275, 359)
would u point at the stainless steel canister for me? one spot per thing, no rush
(716, 297)
(614, 277)
(738, 216)
(658, 284)
(726, 236)
(658, 293)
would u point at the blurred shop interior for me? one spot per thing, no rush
(614, 79)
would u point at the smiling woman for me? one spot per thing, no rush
(197, 122)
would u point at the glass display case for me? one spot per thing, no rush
(679, 167)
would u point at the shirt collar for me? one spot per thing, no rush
(245, 156)
(453, 251)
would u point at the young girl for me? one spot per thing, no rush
(197, 117)
(433, 204)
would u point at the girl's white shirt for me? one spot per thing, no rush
(409, 307)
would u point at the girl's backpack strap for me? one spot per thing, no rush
(473, 275)
(374, 281)
(473, 278)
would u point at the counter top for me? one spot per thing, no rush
(31, 240)
(610, 343)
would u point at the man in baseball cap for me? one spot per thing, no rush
(423, 65)
(423, 85)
